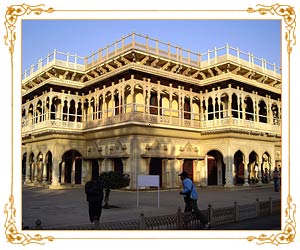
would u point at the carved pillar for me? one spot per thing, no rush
(62, 174)
(55, 174)
(204, 176)
(73, 171)
(44, 178)
(259, 173)
(28, 170)
(148, 160)
(84, 171)
(246, 174)
(35, 172)
(229, 173)
(165, 174)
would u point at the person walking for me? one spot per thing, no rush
(191, 198)
(276, 179)
(94, 196)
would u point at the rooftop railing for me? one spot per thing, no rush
(158, 48)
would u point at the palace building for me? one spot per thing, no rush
(144, 107)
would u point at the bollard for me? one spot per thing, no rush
(210, 214)
(271, 205)
(236, 211)
(257, 208)
(142, 221)
(179, 219)
(38, 224)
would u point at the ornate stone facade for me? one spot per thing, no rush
(141, 106)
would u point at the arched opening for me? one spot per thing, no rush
(116, 103)
(217, 111)
(215, 168)
(262, 112)
(249, 113)
(39, 166)
(224, 105)
(48, 162)
(39, 111)
(72, 168)
(210, 109)
(239, 167)
(153, 103)
(31, 168)
(187, 108)
(236, 107)
(72, 111)
(65, 111)
(253, 167)
(79, 112)
(266, 167)
(24, 164)
(275, 113)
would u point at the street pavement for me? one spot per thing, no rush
(68, 207)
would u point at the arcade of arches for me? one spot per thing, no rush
(206, 167)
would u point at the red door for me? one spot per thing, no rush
(188, 167)
(211, 171)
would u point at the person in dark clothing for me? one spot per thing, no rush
(94, 196)
(190, 199)
(276, 179)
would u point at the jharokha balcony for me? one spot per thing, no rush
(138, 80)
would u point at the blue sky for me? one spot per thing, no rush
(83, 37)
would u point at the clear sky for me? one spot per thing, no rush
(83, 37)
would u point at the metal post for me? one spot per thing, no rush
(142, 221)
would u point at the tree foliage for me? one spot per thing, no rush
(114, 180)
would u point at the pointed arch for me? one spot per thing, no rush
(262, 113)
(249, 111)
(215, 168)
(239, 167)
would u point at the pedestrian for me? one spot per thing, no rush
(94, 196)
(190, 199)
(266, 176)
(276, 179)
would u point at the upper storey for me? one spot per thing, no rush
(154, 57)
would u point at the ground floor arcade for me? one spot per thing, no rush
(215, 161)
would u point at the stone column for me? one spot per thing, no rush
(73, 171)
(35, 172)
(44, 167)
(55, 174)
(148, 160)
(229, 173)
(28, 171)
(83, 171)
(165, 177)
(259, 173)
(246, 174)
(204, 176)
(62, 174)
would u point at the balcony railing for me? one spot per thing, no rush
(158, 48)
(143, 114)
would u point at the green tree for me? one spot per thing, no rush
(113, 180)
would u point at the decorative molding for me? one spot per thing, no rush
(11, 231)
(289, 232)
(11, 17)
(289, 17)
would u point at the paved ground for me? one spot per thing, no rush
(65, 207)
(271, 222)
